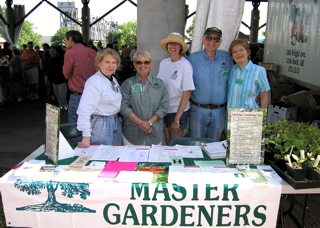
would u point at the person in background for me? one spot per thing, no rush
(109, 45)
(16, 73)
(60, 86)
(30, 61)
(24, 48)
(211, 68)
(91, 45)
(248, 82)
(145, 102)
(115, 46)
(99, 45)
(176, 72)
(45, 63)
(125, 52)
(6, 51)
(133, 50)
(77, 68)
(100, 103)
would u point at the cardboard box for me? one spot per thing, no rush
(267, 66)
(280, 90)
(309, 101)
(276, 113)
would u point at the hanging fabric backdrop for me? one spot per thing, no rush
(223, 14)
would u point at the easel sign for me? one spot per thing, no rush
(245, 135)
(56, 147)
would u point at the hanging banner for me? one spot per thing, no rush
(218, 203)
(293, 40)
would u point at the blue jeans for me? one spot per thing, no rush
(106, 130)
(207, 123)
(73, 107)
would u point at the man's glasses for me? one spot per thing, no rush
(210, 38)
(145, 63)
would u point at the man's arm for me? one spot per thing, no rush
(67, 66)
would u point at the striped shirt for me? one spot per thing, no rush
(245, 84)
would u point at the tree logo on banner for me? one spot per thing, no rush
(51, 204)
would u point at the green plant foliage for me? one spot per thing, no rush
(57, 38)
(283, 135)
(27, 34)
(189, 30)
(126, 33)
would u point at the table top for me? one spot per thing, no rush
(286, 188)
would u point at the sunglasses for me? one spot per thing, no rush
(145, 62)
(210, 38)
(173, 43)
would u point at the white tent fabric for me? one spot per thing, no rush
(18, 13)
(4, 29)
(223, 14)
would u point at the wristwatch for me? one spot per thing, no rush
(177, 122)
(150, 123)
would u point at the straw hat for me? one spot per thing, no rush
(176, 38)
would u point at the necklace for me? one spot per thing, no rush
(113, 84)
(110, 78)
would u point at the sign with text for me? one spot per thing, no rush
(52, 132)
(216, 203)
(245, 135)
(292, 39)
(56, 147)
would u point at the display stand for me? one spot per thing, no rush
(245, 136)
(57, 147)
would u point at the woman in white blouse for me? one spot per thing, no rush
(100, 103)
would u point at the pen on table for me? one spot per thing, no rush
(224, 146)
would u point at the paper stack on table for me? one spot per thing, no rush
(268, 172)
(215, 150)
(29, 168)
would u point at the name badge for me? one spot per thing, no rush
(239, 81)
(224, 73)
(136, 88)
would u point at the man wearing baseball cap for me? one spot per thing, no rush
(211, 68)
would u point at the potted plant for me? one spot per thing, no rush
(297, 170)
(314, 168)
(285, 137)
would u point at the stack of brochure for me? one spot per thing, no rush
(268, 172)
(215, 150)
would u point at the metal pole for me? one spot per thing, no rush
(85, 21)
(255, 17)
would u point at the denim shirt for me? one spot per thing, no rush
(144, 101)
(210, 77)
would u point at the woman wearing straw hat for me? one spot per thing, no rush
(176, 72)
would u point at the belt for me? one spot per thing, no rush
(76, 93)
(208, 106)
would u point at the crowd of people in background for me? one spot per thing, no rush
(113, 99)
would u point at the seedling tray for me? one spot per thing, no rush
(295, 184)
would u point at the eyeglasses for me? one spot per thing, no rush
(173, 43)
(210, 38)
(65, 39)
(145, 62)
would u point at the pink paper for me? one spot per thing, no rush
(112, 169)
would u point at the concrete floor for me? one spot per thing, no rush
(22, 130)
